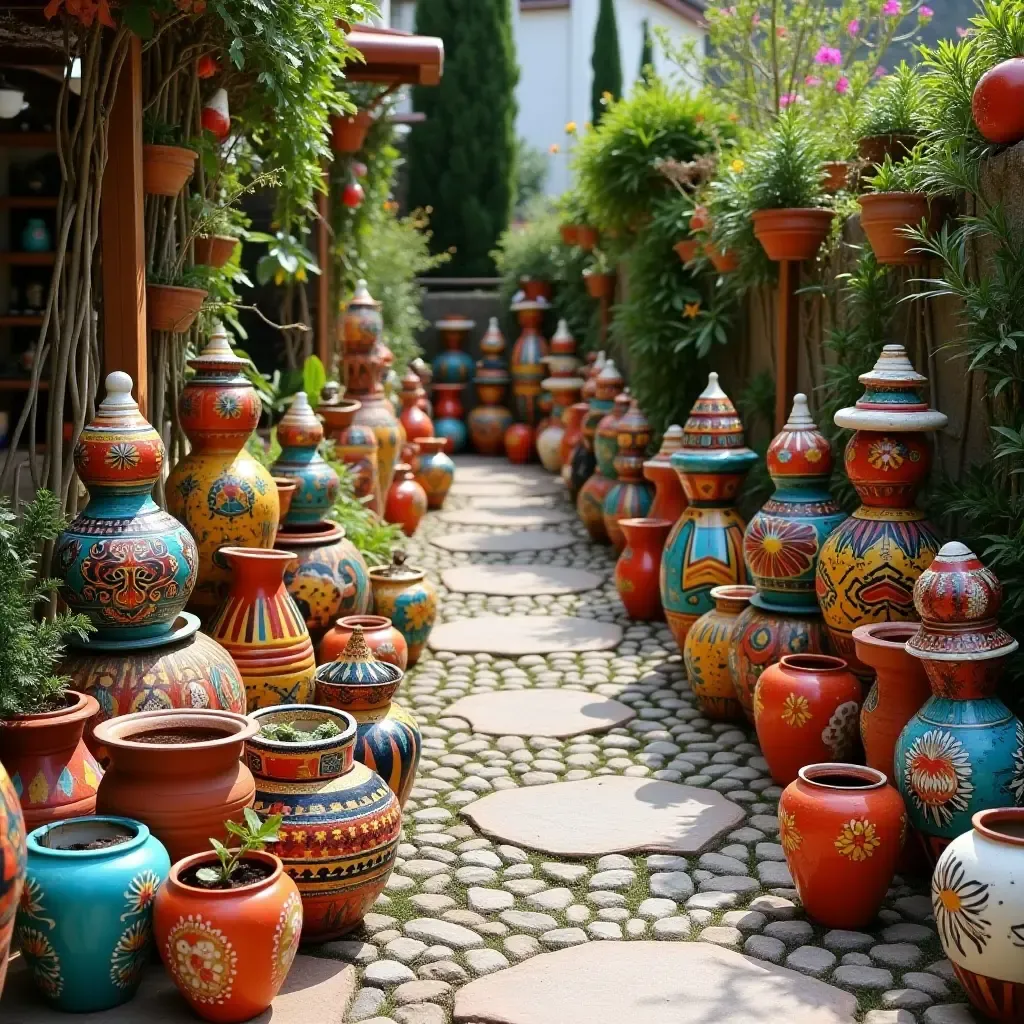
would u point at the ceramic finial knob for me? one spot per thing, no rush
(119, 391)
(800, 415)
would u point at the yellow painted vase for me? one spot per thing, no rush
(706, 653)
(403, 594)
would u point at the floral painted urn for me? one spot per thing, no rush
(490, 419)
(126, 564)
(354, 444)
(436, 472)
(454, 365)
(669, 500)
(631, 495)
(317, 487)
(403, 594)
(527, 361)
(706, 653)
(867, 568)
(963, 752)
(604, 441)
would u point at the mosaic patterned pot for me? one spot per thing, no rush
(317, 486)
(104, 894)
(636, 571)
(319, 787)
(436, 472)
(490, 419)
(403, 594)
(631, 497)
(600, 389)
(526, 363)
(386, 643)
(12, 858)
(593, 493)
(487, 425)
(356, 446)
(669, 499)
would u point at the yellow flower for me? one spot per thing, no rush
(606, 96)
(857, 840)
(300, 274)
(796, 711)
(758, 701)
(692, 310)
(736, 166)
(553, 148)
(279, 277)
(789, 834)
(570, 128)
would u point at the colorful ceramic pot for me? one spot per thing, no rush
(638, 567)
(285, 492)
(317, 487)
(519, 443)
(806, 710)
(705, 549)
(669, 499)
(341, 827)
(262, 629)
(454, 365)
(228, 950)
(631, 496)
(898, 693)
(527, 361)
(327, 576)
(564, 386)
(406, 503)
(490, 419)
(841, 827)
(572, 421)
(386, 643)
(12, 865)
(85, 924)
(963, 752)
(487, 425)
(125, 562)
(356, 445)
(219, 491)
(403, 594)
(868, 566)
(591, 499)
(388, 739)
(414, 420)
(706, 653)
(51, 768)
(177, 772)
(449, 417)
(436, 471)
(607, 382)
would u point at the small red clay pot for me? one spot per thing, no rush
(285, 492)
(348, 131)
(600, 286)
(639, 566)
(842, 828)
(724, 262)
(805, 710)
(519, 445)
(172, 308)
(586, 237)
(687, 249)
(792, 234)
(570, 234)
(572, 420)
(837, 176)
(534, 289)
(386, 643)
(884, 215)
(214, 250)
(875, 148)
(406, 503)
(165, 169)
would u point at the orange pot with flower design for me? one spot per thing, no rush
(841, 827)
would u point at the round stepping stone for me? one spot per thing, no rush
(516, 501)
(557, 713)
(515, 635)
(492, 489)
(519, 580)
(610, 814)
(504, 543)
(650, 983)
(510, 517)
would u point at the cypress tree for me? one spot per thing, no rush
(605, 60)
(461, 159)
(646, 54)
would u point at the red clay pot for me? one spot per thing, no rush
(285, 492)
(519, 445)
(837, 176)
(570, 234)
(572, 420)
(348, 131)
(726, 262)
(841, 827)
(600, 286)
(875, 148)
(171, 308)
(687, 249)
(792, 234)
(214, 250)
(639, 566)
(884, 215)
(805, 711)
(406, 503)
(586, 237)
(165, 169)
(386, 643)
(998, 102)
(534, 289)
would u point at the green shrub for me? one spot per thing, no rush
(895, 106)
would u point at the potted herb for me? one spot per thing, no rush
(173, 301)
(41, 723)
(227, 923)
(599, 276)
(893, 121)
(216, 232)
(892, 204)
(166, 165)
(783, 179)
(573, 216)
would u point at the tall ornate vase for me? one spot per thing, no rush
(403, 594)
(414, 420)
(603, 388)
(449, 415)
(963, 752)
(436, 472)
(572, 421)
(125, 562)
(356, 446)
(564, 387)
(705, 549)
(631, 496)
(339, 837)
(590, 503)
(317, 485)
(706, 653)
(868, 567)
(527, 361)
(260, 625)
(12, 857)
(454, 364)
(219, 491)
(636, 571)
(406, 502)
(490, 419)
(669, 500)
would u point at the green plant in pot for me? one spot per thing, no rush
(599, 275)
(572, 217)
(838, 148)
(166, 163)
(173, 300)
(893, 116)
(893, 203)
(217, 229)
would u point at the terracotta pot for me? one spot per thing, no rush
(12, 856)
(600, 286)
(884, 216)
(899, 691)
(519, 446)
(570, 234)
(636, 571)
(406, 503)
(170, 308)
(586, 237)
(165, 169)
(356, 446)
(837, 176)
(535, 290)
(386, 643)
(631, 495)
(214, 250)
(285, 492)
(348, 131)
(184, 791)
(724, 262)
(228, 950)
(669, 500)
(687, 249)
(319, 783)
(805, 710)
(792, 234)
(436, 471)
(572, 420)
(875, 148)
(842, 829)
(403, 594)
(50, 766)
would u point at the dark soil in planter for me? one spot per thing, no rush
(100, 844)
(178, 736)
(247, 873)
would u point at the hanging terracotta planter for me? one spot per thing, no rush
(792, 234)
(725, 262)
(570, 234)
(171, 308)
(875, 148)
(884, 216)
(586, 237)
(214, 250)
(687, 249)
(348, 131)
(836, 176)
(536, 290)
(165, 169)
(599, 286)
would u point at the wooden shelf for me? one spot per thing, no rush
(21, 384)
(28, 140)
(28, 259)
(21, 321)
(28, 202)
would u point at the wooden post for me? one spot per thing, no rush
(323, 291)
(787, 339)
(125, 336)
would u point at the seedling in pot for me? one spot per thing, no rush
(252, 836)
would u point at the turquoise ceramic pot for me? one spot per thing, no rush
(85, 921)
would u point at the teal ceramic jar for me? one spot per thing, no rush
(85, 921)
(317, 485)
(403, 594)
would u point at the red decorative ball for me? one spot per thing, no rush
(998, 102)
(519, 443)
(352, 195)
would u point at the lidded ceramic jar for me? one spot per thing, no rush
(416, 422)
(631, 496)
(706, 653)
(564, 385)
(669, 500)
(489, 420)
(317, 487)
(449, 413)
(403, 594)
(126, 564)
(386, 643)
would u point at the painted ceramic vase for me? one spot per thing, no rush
(963, 752)
(261, 627)
(436, 471)
(600, 391)
(841, 827)
(12, 865)
(636, 571)
(669, 499)
(487, 425)
(317, 485)
(406, 503)
(706, 653)
(341, 827)
(564, 385)
(361, 328)
(526, 363)
(454, 364)
(125, 563)
(403, 594)
(188, 670)
(384, 641)
(414, 420)
(705, 549)
(449, 415)
(104, 895)
(388, 739)
(178, 772)
(899, 691)
(356, 445)
(572, 421)
(490, 419)
(519, 447)
(590, 503)
(219, 491)
(50, 767)
(868, 567)
(228, 951)
(631, 496)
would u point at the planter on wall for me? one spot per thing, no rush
(570, 234)
(586, 237)
(600, 286)
(836, 176)
(884, 215)
(171, 308)
(214, 250)
(165, 169)
(792, 234)
(875, 148)
(348, 131)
